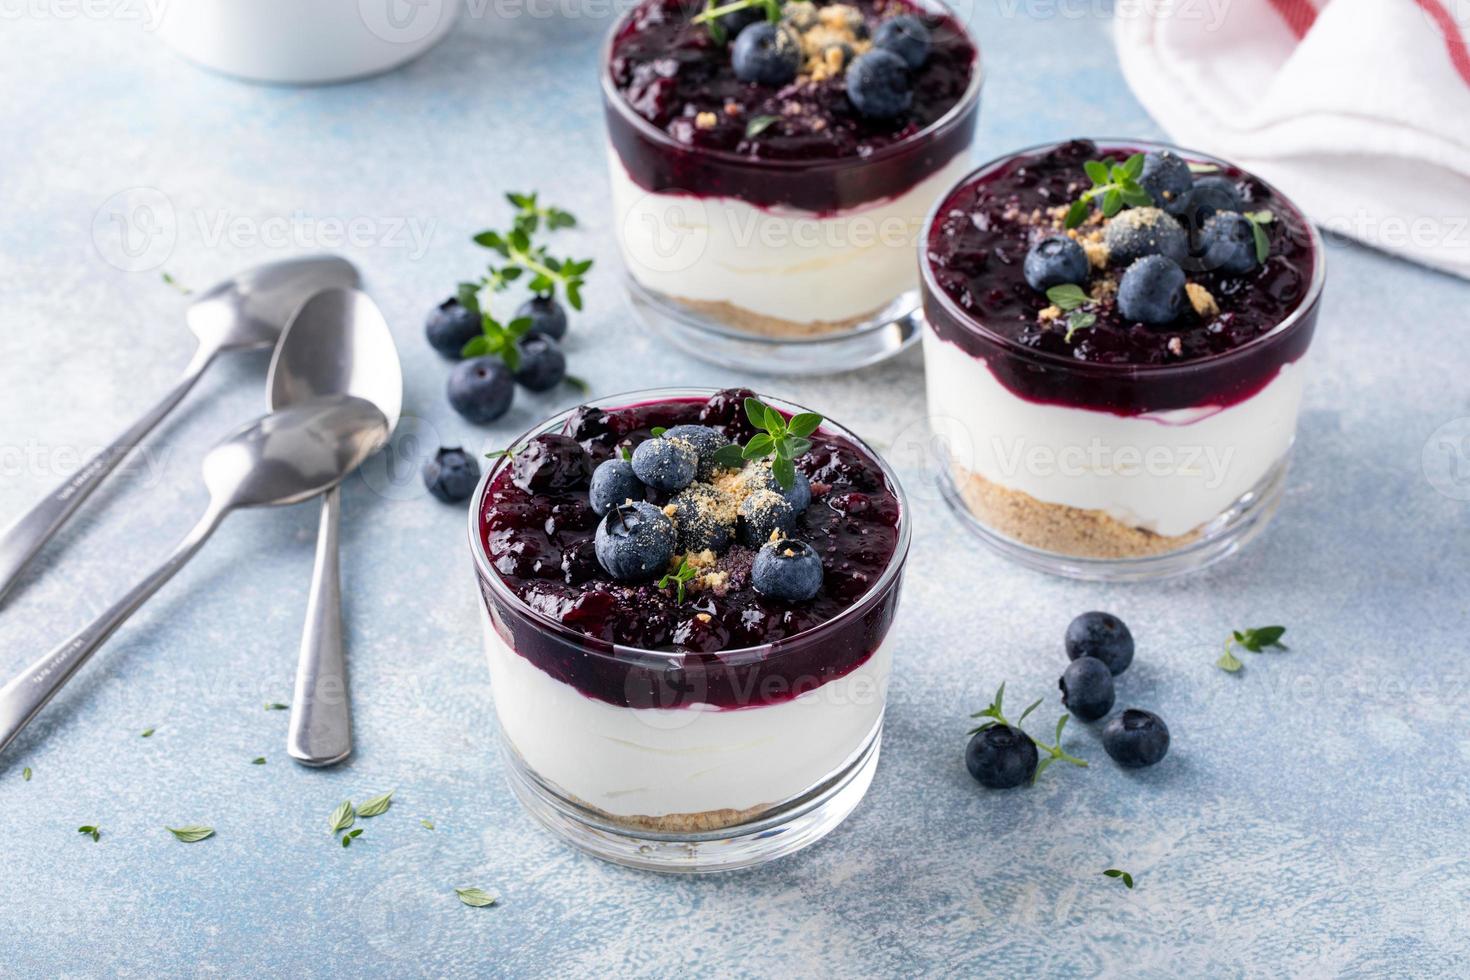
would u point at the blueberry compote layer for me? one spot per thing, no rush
(540, 545)
(821, 154)
(974, 253)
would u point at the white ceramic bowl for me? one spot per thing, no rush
(305, 41)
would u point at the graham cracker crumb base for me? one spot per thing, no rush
(1056, 527)
(769, 326)
(684, 823)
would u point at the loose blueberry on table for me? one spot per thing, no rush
(692, 524)
(525, 350)
(1102, 636)
(451, 476)
(1136, 738)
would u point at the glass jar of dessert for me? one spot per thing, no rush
(1113, 348)
(770, 176)
(688, 595)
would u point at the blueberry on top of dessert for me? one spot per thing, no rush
(793, 81)
(692, 525)
(1183, 260)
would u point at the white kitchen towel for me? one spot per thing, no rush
(1359, 110)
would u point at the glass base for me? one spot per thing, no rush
(885, 335)
(1219, 539)
(777, 832)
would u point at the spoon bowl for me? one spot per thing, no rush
(294, 454)
(248, 311)
(337, 343)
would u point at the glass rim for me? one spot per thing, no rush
(636, 656)
(611, 96)
(929, 287)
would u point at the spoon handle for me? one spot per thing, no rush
(24, 697)
(320, 732)
(23, 539)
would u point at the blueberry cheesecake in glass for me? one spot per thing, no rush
(772, 164)
(688, 598)
(1113, 353)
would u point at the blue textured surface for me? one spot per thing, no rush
(1311, 817)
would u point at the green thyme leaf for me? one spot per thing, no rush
(730, 457)
(1123, 876)
(351, 836)
(1078, 320)
(759, 124)
(1262, 240)
(26, 774)
(258, 761)
(171, 281)
(658, 430)
(784, 471)
(191, 833)
(1097, 172)
(376, 806)
(426, 824)
(678, 579)
(147, 733)
(1068, 296)
(276, 706)
(342, 817)
(91, 831)
(475, 897)
(804, 424)
(1256, 640)
(1077, 213)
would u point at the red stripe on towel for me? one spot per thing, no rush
(1299, 15)
(1453, 39)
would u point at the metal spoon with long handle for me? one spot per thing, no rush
(284, 458)
(246, 312)
(338, 342)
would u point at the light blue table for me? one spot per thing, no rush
(1311, 817)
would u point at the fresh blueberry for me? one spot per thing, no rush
(738, 20)
(906, 36)
(1167, 179)
(481, 389)
(706, 441)
(612, 483)
(798, 495)
(665, 464)
(1229, 243)
(1209, 196)
(878, 84)
(450, 326)
(1152, 290)
(1087, 688)
(1055, 260)
(787, 569)
(1001, 757)
(1136, 738)
(766, 54)
(1139, 232)
(547, 317)
(451, 475)
(635, 542)
(1103, 636)
(551, 463)
(700, 517)
(543, 365)
(762, 514)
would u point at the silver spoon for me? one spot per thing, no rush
(284, 458)
(246, 312)
(338, 342)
